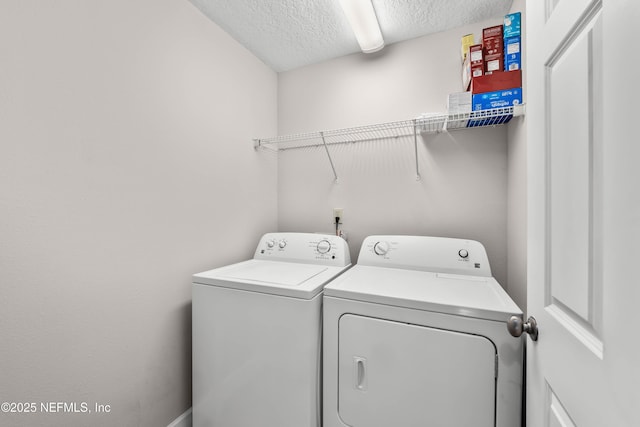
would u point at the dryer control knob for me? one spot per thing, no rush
(270, 243)
(323, 246)
(381, 248)
(282, 244)
(463, 253)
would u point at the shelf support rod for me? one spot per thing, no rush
(415, 143)
(329, 156)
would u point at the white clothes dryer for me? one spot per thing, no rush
(257, 333)
(415, 335)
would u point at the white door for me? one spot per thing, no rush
(397, 374)
(584, 212)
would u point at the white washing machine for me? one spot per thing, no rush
(416, 334)
(257, 333)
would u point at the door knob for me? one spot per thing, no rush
(517, 326)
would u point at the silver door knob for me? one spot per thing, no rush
(517, 326)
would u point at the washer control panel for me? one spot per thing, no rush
(309, 248)
(436, 254)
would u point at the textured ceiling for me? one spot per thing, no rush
(287, 34)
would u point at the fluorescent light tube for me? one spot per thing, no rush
(364, 23)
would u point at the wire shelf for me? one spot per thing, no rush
(426, 123)
(432, 123)
(355, 134)
(492, 117)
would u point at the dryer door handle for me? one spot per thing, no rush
(360, 364)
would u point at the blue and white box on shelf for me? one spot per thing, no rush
(497, 99)
(512, 55)
(511, 25)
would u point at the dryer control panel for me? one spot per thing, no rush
(435, 254)
(310, 248)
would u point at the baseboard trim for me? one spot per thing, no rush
(183, 420)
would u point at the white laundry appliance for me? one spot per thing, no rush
(416, 334)
(257, 333)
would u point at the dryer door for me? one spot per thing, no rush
(397, 374)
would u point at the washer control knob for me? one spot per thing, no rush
(463, 253)
(381, 248)
(270, 243)
(282, 244)
(324, 246)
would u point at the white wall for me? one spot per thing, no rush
(126, 165)
(517, 191)
(463, 190)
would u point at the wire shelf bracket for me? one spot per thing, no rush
(333, 168)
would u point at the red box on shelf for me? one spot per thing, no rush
(493, 49)
(498, 80)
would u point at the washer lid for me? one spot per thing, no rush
(469, 296)
(274, 273)
(292, 279)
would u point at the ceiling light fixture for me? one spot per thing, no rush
(364, 23)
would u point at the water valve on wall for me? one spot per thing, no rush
(337, 214)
